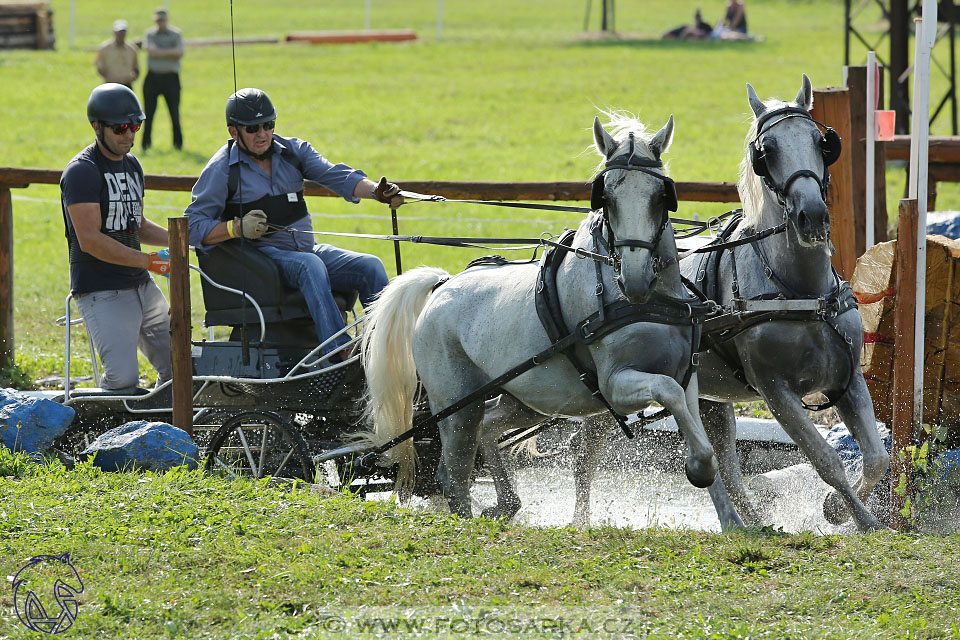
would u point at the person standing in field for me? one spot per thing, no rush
(255, 182)
(102, 199)
(164, 46)
(117, 59)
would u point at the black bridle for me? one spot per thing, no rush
(630, 162)
(829, 147)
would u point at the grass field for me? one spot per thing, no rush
(186, 555)
(508, 93)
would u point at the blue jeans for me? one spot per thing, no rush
(317, 273)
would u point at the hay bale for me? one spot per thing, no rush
(874, 281)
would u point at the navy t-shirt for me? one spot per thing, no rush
(117, 185)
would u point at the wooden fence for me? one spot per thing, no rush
(14, 178)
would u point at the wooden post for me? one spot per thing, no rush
(855, 145)
(180, 329)
(905, 426)
(900, 25)
(6, 278)
(832, 107)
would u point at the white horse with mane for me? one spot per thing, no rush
(459, 333)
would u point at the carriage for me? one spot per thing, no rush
(264, 403)
(429, 406)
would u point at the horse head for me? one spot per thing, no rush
(635, 196)
(785, 165)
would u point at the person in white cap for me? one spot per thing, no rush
(164, 47)
(117, 59)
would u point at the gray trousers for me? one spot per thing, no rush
(118, 321)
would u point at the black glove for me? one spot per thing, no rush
(385, 191)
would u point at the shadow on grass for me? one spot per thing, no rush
(644, 41)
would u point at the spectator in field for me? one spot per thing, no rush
(164, 45)
(734, 23)
(252, 187)
(102, 198)
(117, 59)
(697, 31)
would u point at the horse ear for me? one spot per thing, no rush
(805, 97)
(661, 141)
(604, 141)
(755, 102)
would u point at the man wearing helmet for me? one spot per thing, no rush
(102, 197)
(252, 188)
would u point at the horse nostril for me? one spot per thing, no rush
(803, 220)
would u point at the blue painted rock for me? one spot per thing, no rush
(31, 424)
(152, 446)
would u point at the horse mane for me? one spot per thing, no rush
(620, 124)
(750, 185)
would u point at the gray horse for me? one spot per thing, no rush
(458, 333)
(783, 181)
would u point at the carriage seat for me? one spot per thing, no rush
(244, 268)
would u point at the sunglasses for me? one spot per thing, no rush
(120, 129)
(253, 128)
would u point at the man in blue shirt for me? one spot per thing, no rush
(253, 187)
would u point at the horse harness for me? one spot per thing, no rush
(830, 148)
(783, 304)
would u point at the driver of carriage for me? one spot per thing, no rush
(252, 188)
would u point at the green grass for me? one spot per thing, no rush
(184, 555)
(508, 93)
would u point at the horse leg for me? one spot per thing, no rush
(593, 435)
(501, 415)
(788, 410)
(856, 410)
(459, 435)
(721, 427)
(629, 389)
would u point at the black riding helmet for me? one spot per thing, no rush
(112, 102)
(249, 106)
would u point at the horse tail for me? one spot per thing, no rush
(386, 351)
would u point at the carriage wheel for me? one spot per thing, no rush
(257, 444)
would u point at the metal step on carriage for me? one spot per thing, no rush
(264, 402)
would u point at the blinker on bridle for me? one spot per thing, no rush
(630, 162)
(830, 148)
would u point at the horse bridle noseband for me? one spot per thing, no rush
(830, 147)
(630, 162)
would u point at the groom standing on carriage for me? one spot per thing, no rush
(252, 188)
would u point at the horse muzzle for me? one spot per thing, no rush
(811, 225)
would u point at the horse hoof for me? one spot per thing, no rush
(701, 475)
(496, 513)
(834, 509)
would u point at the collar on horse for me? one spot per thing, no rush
(720, 330)
(608, 318)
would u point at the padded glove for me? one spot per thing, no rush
(252, 226)
(159, 262)
(386, 191)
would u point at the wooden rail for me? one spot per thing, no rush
(16, 177)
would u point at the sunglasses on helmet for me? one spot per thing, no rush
(120, 129)
(253, 128)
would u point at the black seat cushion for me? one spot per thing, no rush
(242, 267)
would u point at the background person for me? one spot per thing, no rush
(102, 198)
(164, 46)
(117, 59)
(271, 186)
(734, 23)
(697, 31)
